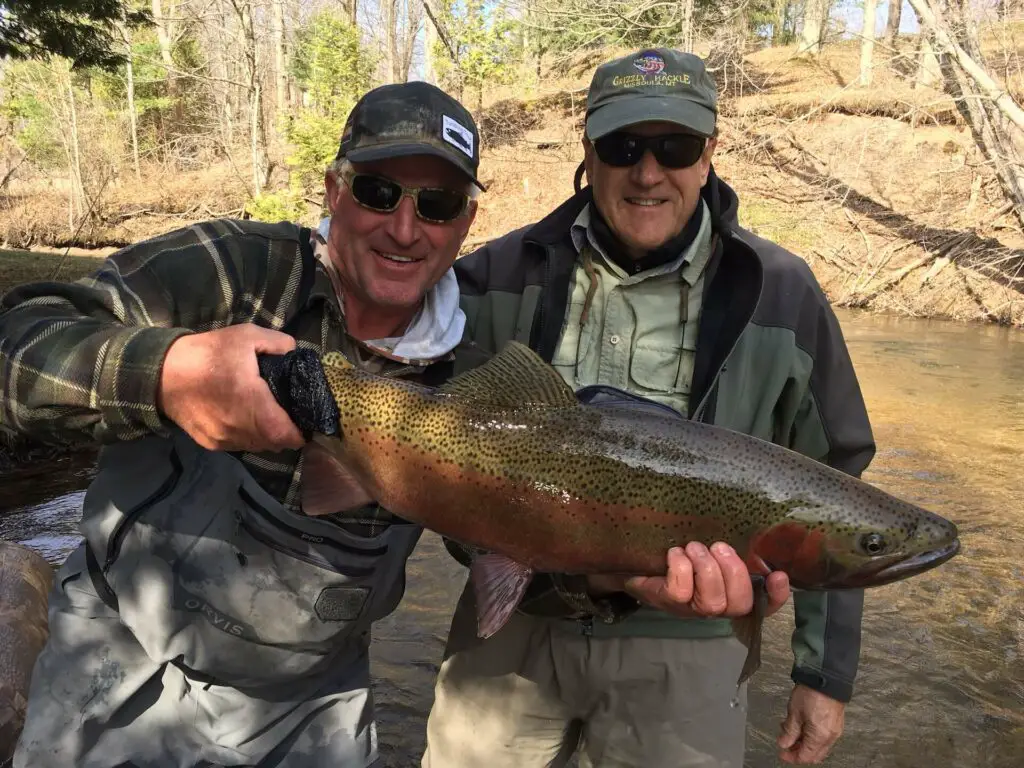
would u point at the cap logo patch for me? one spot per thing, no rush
(649, 63)
(457, 135)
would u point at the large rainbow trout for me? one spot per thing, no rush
(505, 459)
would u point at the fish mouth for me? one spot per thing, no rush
(912, 566)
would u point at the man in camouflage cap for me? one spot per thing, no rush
(209, 619)
(645, 281)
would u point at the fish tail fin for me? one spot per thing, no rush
(498, 585)
(748, 630)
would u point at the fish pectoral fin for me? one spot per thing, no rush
(515, 377)
(327, 484)
(498, 585)
(749, 629)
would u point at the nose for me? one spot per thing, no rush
(403, 224)
(648, 171)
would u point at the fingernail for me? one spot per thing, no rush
(722, 548)
(696, 549)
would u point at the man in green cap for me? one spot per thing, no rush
(644, 281)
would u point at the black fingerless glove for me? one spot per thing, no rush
(297, 381)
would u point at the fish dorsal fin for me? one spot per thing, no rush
(515, 377)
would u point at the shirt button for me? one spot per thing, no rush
(614, 339)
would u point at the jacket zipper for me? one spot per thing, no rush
(698, 412)
(114, 547)
(306, 557)
(542, 313)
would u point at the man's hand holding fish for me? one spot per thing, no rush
(700, 581)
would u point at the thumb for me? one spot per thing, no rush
(791, 729)
(777, 585)
(271, 342)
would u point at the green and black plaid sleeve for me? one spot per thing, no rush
(81, 361)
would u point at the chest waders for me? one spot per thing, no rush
(201, 623)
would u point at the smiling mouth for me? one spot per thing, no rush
(645, 202)
(396, 258)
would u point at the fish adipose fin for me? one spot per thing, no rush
(498, 585)
(748, 630)
(327, 485)
(514, 378)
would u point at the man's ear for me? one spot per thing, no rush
(705, 159)
(332, 187)
(589, 159)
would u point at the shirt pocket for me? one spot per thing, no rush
(655, 367)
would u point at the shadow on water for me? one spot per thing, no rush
(942, 664)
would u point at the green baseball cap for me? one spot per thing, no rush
(654, 84)
(413, 118)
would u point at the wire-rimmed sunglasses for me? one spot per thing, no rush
(436, 205)
(673, 150)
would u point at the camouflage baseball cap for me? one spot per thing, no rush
(652, 84)
(414, 118)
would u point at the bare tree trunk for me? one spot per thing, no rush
(76, 154)
(132, 117)
(995, 119)
(686, 25)
(413, 17)
(129, 78)
(892, 23)
(430, 40)
(280, 73)
(985, 83)
(779, 21)
(163, 20)
(220, 89)
(388, 22)
(928, 73)
(353, 11)
(867, 45)
(815, 22)
(257, 134)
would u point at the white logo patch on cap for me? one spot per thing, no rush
(457, 135)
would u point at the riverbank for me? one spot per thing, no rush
(881, 190)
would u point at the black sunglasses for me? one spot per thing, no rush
(673, 150)
(434, 204)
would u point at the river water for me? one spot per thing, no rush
(942, 664)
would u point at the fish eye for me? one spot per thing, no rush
(873, 543)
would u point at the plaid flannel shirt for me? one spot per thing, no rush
(80, 362)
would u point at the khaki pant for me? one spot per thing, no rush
(538, 691)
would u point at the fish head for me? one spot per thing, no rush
(826, 548)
